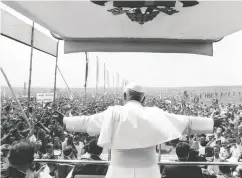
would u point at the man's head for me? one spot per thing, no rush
(210, 137)
(203, 141)
(219, 132)
(224, 143)
(182, 150)
(216, 150)
(49, 148)
(68, 151)
(21, 153)
(5, 149)
(93, 148)
(134, 92)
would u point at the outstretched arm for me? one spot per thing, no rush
(194, 125)
(90, 124)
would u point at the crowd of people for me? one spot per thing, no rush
(52, 141)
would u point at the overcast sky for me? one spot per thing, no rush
(224, 68)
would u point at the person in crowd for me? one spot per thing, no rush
(202, 145)
(225, 172)
(213, 170)
(235, 151)
(64, 169)
(225, 150)
(50, 155)
(79, 145)
(132, 132)
(176, 171)
(4, 150)
(94, 155)
(218, 138)
(21, 156)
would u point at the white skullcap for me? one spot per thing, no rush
(134, 87)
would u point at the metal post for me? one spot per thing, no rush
(67, 86)
(159, 157)
(57, 51)
(22, 110)
(30, 67)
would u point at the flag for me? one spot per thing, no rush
(108, 79)
(104, 76)
(113, 81)
(117, 80)
(86, 75)
(97, 73)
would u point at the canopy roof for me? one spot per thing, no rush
(86, 26)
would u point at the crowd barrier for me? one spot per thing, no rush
(159, 163)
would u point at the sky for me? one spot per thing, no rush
(147, 69)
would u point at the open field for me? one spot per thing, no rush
(234, 97)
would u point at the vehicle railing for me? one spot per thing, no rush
(57, 161)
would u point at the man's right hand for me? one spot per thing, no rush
(58, 117)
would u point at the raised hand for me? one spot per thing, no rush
(58, 117)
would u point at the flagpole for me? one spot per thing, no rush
(56, 61)
(104, 77)
(97, 77)
(30, 67)
(67, 86)
(86, 76)
(22, 110)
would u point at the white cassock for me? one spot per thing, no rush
(132, 132)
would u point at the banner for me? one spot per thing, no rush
(97, 73)
(104, 76)
(86, 74)
(108, 84)
(117, 80)
(44, 97)
(113, 81)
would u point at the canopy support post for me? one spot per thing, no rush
(30, 67)
(57, 51)
(22, 110)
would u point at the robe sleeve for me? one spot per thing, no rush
(194, 125)
(89, 124)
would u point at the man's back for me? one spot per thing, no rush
(175, 171)
(91, 169)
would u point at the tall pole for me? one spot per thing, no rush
(104, 77)
(57, 51)
(86, 77)
(9, 85)
(30, 67)
(97, 77)
(24, 88)
(67, 86)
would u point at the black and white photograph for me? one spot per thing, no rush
(121, 89)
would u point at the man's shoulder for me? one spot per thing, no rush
(10, 172)
(171, 167)
(174, 167)
(5, 172)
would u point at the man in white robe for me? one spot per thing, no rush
(132, 132)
